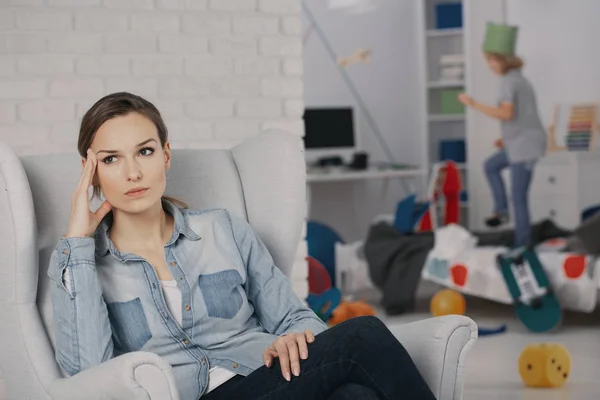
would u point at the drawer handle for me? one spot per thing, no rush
(551, 179)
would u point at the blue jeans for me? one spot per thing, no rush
(520, 180)
(359, 359)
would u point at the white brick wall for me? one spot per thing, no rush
(222, 68)
(219, 70)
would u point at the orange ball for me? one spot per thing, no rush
(446, 302)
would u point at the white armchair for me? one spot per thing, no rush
(263, 180)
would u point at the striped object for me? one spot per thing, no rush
(582, 122)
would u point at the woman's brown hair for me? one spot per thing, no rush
(507, 63)
(116, 105)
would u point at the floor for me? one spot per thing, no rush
(492, 371)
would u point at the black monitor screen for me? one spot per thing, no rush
(328, 128)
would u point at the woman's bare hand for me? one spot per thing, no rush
(83, 222)
(289, 349)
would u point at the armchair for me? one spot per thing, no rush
(263, 180)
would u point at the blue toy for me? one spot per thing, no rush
(589, 212)
(409, 213)
(321, 240)
(323, 304)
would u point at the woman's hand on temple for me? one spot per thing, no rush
(289, 349)
(83, 222)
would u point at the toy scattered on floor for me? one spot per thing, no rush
(359, 56)
(409, 214)
(319, 280)
(324, 298)
(332, 310)
(535, 303)
(347, 310)
(321, 240)
(545, 365)
(491, 331)
(325, 303)
(444, 182)
(447, 302)
(451, 189)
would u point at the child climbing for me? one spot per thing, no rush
(523, 139)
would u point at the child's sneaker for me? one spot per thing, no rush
(496, 220)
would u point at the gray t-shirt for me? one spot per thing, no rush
(524, 136)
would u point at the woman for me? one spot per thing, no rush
(523, 135)
(197, 288)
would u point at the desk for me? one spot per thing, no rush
(317, 175)
(338, 189)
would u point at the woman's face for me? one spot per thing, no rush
(132, 164)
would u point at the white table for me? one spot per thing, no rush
(329, 176)
(323, 175)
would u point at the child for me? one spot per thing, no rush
(523, 139)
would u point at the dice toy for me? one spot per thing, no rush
(545, 365)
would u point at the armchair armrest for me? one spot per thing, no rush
(439, 346)
(137, 375)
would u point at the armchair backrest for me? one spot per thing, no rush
(262, 180)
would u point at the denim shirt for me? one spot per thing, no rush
(235, 301)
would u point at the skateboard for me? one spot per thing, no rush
(535, 303)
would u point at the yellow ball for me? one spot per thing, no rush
(545, 365)
(446, 302)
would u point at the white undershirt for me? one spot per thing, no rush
(217, 375)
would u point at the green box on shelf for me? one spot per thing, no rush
(449, 102)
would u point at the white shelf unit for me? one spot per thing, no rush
(438, 126)
(446, 118)
(444, 32)
(445, 84)
(478, 82)
(435, 44)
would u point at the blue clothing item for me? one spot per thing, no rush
(235, 301)
(521, 175)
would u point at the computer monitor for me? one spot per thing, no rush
(329, 131)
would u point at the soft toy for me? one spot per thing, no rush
(451, 190)
(347, 310)
(445, 181)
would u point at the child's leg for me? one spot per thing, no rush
(493, 167)
(521, 175)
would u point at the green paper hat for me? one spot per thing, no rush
(500, 39)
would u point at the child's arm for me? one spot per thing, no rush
(505, 112)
